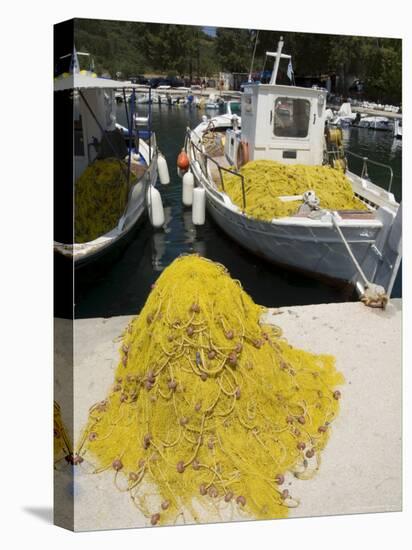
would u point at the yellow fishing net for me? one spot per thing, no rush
(100, 198)
(208, 407)
(267, 180)
(61, 442)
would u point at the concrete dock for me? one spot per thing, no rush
(377, 112)
(361, 465)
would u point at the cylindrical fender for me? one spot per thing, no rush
(187, 189)
(155, 207)
(163, 170)
(199, 206)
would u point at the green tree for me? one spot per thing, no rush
(234, 48)
(135, 47)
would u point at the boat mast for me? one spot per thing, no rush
(277, 61)
(74, 62)
(253, 58)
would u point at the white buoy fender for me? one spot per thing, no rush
(199, 206)
(187, 189)
(155, 207)
(163, 170)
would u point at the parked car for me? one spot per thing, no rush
(155, 82)
(173, 82)
(139, 79)
(357, 86)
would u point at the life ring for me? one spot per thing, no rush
(242, 153)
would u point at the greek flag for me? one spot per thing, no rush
(290, 70)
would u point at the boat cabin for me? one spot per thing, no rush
(284, 123)
(94, 113)
(94, 110)
(93, 102)
(279, 122)
(97, 134)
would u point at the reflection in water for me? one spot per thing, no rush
(121, 286)
(396, 149)
(378, 146)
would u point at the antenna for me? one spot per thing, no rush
(253, 58)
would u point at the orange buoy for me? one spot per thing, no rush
(183, 160)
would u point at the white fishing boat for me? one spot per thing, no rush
(212, 105)
(97, 136)
(362, 247)
(169, 99)
(341, 121)
(343, 118)
(145, 98)
(375, 123)
(213, 102)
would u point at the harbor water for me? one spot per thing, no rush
(120, 285)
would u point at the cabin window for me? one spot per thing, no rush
(291, 117)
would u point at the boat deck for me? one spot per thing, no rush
(216, 152)
(214, 171)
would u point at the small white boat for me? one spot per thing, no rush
(344, 117)
(146, 97)
(213, 102)
(212, 105)
(170, 99)
(342, 121)
(142, 97)
(375, 123)
(362, 247)
(96, 130)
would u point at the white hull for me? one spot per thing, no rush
(287, 124)
(375, 123)
(313, 245)
(315, 250)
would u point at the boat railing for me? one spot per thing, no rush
(366, 161)
(205, 158)
(152, 145)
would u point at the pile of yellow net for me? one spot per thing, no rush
(209, 409)
(266, 181)
(61, 442)
(100, 198)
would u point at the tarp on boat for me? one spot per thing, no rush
(87, 81)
